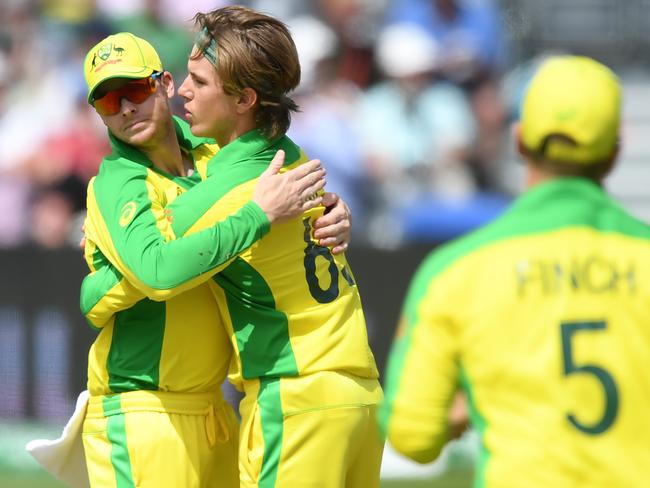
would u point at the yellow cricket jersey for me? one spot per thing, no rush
(179, 344)
(290, 306)
(543, 318)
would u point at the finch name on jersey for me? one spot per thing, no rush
(593, 273)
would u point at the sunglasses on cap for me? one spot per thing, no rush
(136, 91)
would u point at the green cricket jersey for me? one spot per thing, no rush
(131, 250)
(288, 304)
(543, 318)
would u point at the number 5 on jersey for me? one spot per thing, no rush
(569, 330)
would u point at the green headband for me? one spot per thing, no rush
(207, 45)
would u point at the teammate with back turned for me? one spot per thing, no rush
(543, 316)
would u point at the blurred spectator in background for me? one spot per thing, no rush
(416, 133)
(56, 213)
(13, 189)
(48, 147)
(355, 23)
(491, 117)
(59, 170)
(472, 54)
(325, 125)
(468, 32)
(63, 22)
(400, 144)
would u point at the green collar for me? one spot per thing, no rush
(244, 147)
(253, 146)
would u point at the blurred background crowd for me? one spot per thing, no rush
(407, 102)
(402, 100)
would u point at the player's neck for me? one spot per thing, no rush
(241, 126)
(165, 153)
(536, 175)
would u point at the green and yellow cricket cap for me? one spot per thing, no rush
(575, 97)
(120, 55)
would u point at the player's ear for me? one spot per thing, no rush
(167, 82)
(246, 100)
(516, 134)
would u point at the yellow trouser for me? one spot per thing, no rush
(310, 431)
(161, 439)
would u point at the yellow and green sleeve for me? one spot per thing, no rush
(423, 371)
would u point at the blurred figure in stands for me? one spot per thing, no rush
(472, 55)
(468, 32)
(416, 134)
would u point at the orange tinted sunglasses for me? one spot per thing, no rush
(136, 91)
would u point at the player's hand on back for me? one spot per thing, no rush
(287, 195)
(333, 228)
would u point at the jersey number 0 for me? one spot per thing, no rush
(312, 251)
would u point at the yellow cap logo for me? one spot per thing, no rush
(105, 51)
(128, 212)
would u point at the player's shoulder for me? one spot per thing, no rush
(620, 221)
(116, 176)
(602, 215)
(294, 154)
(118, 169)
